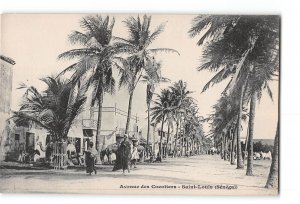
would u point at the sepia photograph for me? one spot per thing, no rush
(140, 103)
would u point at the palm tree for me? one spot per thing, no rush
(160, 111)
(264, 69)
(152, 78)
(96, 60)
(54, 109)
(242, 46)
(229, 49)
(180, 102)
(193, 125)
(136, 47)
(225, 119)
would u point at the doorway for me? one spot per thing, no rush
(29, 143)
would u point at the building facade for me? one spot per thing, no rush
(6, 74)
(113, 124)
(84, 129)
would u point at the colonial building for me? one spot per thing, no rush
(17, 139)
(155, 135)
(113, 124)
(81, 133)
(6, 74)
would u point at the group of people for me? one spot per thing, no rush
(29, 156)
(126, 157)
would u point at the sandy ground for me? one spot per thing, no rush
(198, 175)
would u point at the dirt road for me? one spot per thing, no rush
(203, 174)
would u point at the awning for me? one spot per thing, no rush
(75, 132)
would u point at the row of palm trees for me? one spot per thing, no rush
(102, 53)
(175, 107)
(244, 49)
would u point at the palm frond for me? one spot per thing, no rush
(78, 53)
(220, 76)
(166, 50)
(156, 33)
(269, 91)
(77, 37)
(22, 118)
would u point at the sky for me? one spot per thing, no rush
(35, 40)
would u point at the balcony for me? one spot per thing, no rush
(115, 110)
(121, 131)
(89, 124)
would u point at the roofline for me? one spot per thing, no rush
(7, 59)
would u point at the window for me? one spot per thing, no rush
(17, 137)
(87, 132)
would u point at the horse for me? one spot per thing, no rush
(267, 155)
(108, 151)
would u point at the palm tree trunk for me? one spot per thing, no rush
(130, 102)
(225, 143)
(232, 162)
(129, 112)
(273, 175)
(184, 137)
(240, 164)
(175, 145)
(250, 137)
(180, 138)
(227, 148)
(153, 152)
(246, 144)
(230, 149)
(222, 148)
(148, 129)
(168, 137)
(161, 136)
(192, 146)
(98, 134)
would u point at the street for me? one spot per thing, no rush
(202, 174)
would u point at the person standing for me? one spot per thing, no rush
(90, 159)
(134, 156)
(123, 156)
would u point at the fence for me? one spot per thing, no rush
(59, 156)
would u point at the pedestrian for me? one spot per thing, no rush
(123, 156)
(158, 157)
(90, 159)
(22, 156)
(134, 156)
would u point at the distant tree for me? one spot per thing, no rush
(152, 78)
(161, 109)
(258, 146)
(181, 102)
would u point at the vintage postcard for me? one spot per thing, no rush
(139, 104)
